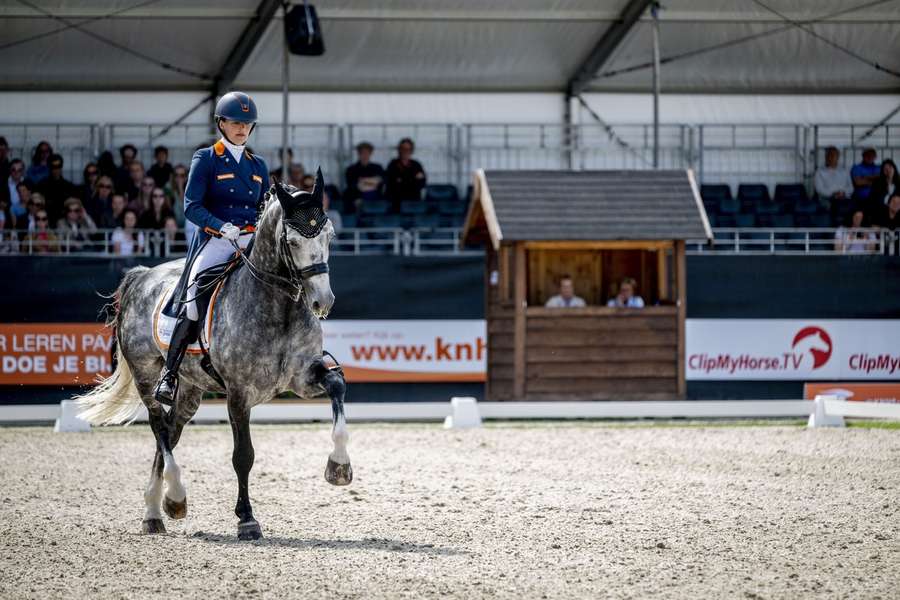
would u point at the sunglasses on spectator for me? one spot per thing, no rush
(159, 195)
(40, 218)
(91, 173)
(105, 186)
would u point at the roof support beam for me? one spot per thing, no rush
(607, 44)
(245, 45)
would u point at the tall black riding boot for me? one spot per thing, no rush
(184, 333)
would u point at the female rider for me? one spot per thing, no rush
(225, 185)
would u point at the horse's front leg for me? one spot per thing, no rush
(338, 470)
(242, 459)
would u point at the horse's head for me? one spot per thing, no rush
(304, 235)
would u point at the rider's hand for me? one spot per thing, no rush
(230, 232)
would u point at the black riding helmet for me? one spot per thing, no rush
(236, 106)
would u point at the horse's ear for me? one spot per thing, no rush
(319, 189)
(285, 198)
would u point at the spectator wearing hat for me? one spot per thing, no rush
(124, 178)
(365, 179)
(865, 174)
(161, 171)
(113, 215)
(566, 297)
(405, 177)
(75, 228)
(55, 188)
(833, 183)
(16, 176)
(626, 297)
(40, 239)
(38, 171)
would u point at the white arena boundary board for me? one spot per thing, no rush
(438, 411)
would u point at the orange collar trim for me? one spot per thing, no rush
(219, 148)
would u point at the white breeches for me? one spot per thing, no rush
(215, 252)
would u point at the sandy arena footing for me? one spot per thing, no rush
(555, 510)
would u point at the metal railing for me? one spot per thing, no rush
(796, 241)
(719, 153)
(446, 241)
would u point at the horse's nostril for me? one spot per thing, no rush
(315, 306)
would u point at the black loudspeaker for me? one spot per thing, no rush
(302, 30)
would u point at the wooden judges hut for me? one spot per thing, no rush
(597, 227)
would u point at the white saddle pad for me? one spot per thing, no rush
(163, 325)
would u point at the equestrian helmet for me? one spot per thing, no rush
(236, 106)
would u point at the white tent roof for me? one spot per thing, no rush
(462, 45)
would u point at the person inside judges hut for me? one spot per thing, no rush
(566, 297)
(626, 298)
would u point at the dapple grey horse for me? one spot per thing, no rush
(265, 339)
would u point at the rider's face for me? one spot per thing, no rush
(236, 131)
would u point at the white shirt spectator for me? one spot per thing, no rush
(558, 301)
(830, 181)
(126, 243)
(854, 241)
(633, 302)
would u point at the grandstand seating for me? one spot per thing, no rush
(790, 207)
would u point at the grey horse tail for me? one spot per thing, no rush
(114, 400)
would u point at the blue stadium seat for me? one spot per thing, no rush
(375, 207)
(441, 192)
(752, 196)
(715, 192)
(413, 207)
(452, 207)
(349, 221)
(783, 220)
(820, 220)
(729, 206)
(725, 221)
(790, 195)
(712, 219)
(394, 221)
(745, 220)
(807, 206)
(452, 220)
(431, 221)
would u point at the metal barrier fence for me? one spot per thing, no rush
(732, 154)
(447, 241)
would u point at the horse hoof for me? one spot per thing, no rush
(249, 530)
(338, 474)
(175, 510)
(152, 526)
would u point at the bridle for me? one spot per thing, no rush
(296, 275)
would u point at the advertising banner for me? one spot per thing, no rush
(792, 349)
(857, 392)
(408, 350)
(53, 353)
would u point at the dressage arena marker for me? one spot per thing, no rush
(463, 414)
(830, 411)
(281, 412)
(68, 420)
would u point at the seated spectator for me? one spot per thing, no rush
(161, 171)
(126, 241)
(88, 187)
(365, 179)
(125, 177)
(131, 187)
(173, 241)
(141, 203)
(75, 228)
(98, 204)
(276, 174)
(40, 240)
(884, 187)
(889, 216)
(4, 159)
(307, 185)
(55, 188)
(38, 171)
(865, 173)
(626, 297)
(566, 297)
(853, 239)
(16, 176)
(9, 238)
(113, 215)
(35, 203)
(405, 178)
(176, 192)
(107, 166)
(833, 184)
(155, 217)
